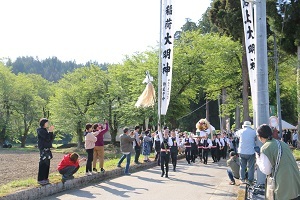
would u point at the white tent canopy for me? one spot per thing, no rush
(286, 125)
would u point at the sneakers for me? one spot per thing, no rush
(119, 166)
(88, 174)
(127, 174)
(102, 170)
(94, 170)
(43, 182)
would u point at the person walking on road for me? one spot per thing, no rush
(165, 144)
(126, 140)
(174, 149)
(247, 138)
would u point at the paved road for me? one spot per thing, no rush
(189, 182)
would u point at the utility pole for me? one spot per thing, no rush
(277, 87)
(261, 59)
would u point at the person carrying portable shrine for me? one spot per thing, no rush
(207, 144)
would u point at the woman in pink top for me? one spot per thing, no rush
(89, 145)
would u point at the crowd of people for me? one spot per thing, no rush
(244, 155)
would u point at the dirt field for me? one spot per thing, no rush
(16, 165)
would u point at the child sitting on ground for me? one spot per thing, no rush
(68, 166)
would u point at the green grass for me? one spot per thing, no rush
(111, 161)
(296, 153)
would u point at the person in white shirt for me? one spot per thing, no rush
(156, 146)
(187, 144)
(165, 144)
(207, 144)
(174, 149)
(247, 138)
(295, 139)
(137, 145)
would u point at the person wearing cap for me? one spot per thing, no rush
(247, 138)
(287, 176)
(234, 167)
(45, 139)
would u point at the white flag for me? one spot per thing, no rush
(167, 54)
(247, 12)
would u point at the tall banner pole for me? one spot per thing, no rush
(159, 68)
(262, 103)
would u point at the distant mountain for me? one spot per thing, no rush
(51, 69)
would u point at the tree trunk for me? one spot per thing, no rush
(79, 135)
(298, 93)
(4, 128)
(245, 77)
(224, 102)
(207, 109)
(25, 133)
(237, 117)
(114, 130)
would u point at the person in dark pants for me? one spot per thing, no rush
(137, 145)
(174, 149)
(187, 143)
(194, 150)
(126, 140)
(165, 144)
(157, 148)
(68, 166)
(45, 139)
(200, 147)
(206, 146)
(214, 148)
(89, 145)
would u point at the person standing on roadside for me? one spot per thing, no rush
(45, 139)
(89, 145)
(246, 151)
(137, 145)
(99, 146)
(126, 140)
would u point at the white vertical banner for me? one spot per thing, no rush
(167, 40)
(247, 12)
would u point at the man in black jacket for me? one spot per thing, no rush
(45, 139)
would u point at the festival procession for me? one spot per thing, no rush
(210, 110)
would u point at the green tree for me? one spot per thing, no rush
(7, 80)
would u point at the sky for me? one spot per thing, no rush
(97, 30)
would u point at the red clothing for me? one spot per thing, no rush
(100, 136)
(66, 161)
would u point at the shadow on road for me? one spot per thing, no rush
(120, 190)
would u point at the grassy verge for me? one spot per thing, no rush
(111, 161)
(296, 153)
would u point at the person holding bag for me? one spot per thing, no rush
(276, 160)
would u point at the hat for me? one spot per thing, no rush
(43, 121)
(232, 153)
(246, 124)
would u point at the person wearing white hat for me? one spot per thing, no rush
(247, 137)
